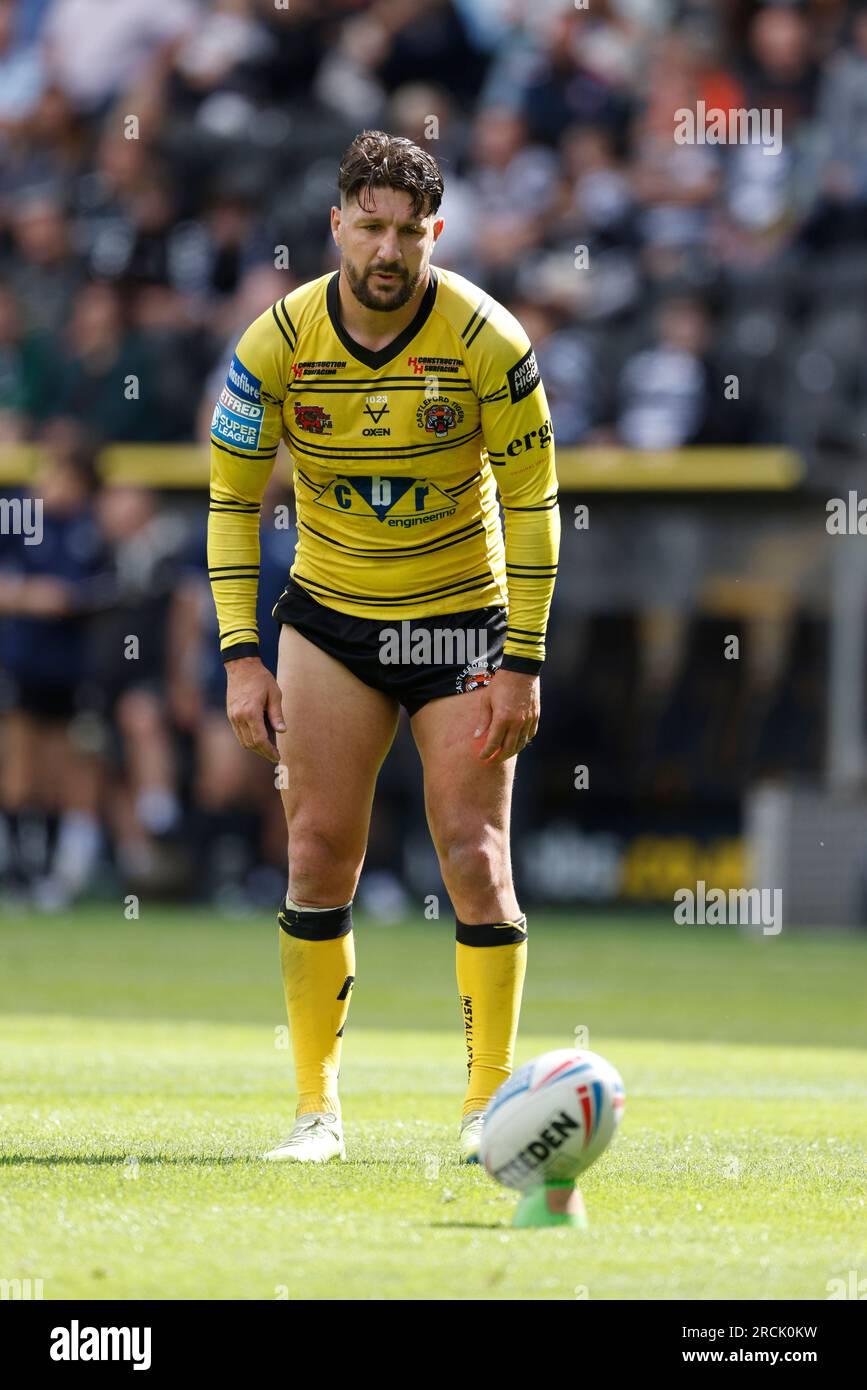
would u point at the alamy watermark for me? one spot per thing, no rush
(22, 516)
(437, 646)
(77, 1343)
(847, 516)
(746, 907)
(737, 125)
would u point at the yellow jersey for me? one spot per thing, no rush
(398, 459)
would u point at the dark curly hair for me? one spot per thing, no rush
(377, 160)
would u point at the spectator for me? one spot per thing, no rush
(94, 51)
(128, 664)
(512, 184)
(664, 390)
(21, 73)
(47, 272)
(50, 783)
(25, 380)
(105, 375)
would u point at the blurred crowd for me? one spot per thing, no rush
(165, 174)
(118, 763)
(165, 171)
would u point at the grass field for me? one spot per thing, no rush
(144, 1069)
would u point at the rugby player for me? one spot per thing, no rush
(408, 399)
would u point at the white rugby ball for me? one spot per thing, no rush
(551, 1119)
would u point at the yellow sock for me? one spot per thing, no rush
(317, 960)
(491, 964)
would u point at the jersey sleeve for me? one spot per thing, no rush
(519, 442)
(246, 429)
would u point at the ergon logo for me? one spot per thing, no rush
(77, 1343)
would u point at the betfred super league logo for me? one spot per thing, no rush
(313, 418)
(438, 415)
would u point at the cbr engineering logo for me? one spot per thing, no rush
(402, 502)
(438, 415)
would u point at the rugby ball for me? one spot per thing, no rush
(551, 1119)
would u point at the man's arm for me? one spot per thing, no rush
(245, 432)
(520, 445)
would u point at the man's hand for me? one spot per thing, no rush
(509, 715)
(41, 596)
(252, 694)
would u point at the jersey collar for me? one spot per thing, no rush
(385, 354)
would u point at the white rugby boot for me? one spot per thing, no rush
(316, 1138)
(471, 1133)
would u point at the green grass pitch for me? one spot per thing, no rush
(144, 1070)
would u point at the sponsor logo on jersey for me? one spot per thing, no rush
(243, 383)
(540, 438)
(240, 405)
(316, 368)
(375, 407)
(404, 502)
(438, 415)
(313, 418)
(434, 366)
(523, 377)
(237, 422)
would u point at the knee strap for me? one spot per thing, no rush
(492, 933)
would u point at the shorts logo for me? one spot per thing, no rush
(316, 368)
(313, 418)
(438, 415)
(474, 677)
(523, 377)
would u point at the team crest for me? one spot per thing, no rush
(313, 418)
(474, 677)
(438, 415)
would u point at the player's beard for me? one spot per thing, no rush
(384, 300)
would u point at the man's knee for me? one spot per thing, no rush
(474, 858)
(322, 870)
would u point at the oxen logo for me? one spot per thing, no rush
(438, 415)
(313, 418)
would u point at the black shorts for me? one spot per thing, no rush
(412, 659)
(54, 703)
